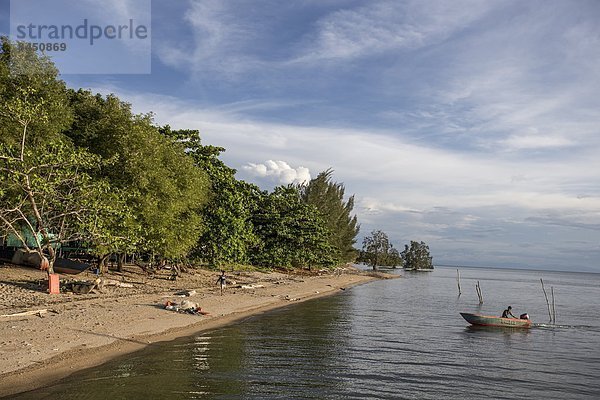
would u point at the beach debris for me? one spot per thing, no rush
(32, 312)
(186, 293)
(82, 287)
(87, 287)
(252, 286)
(186, 306)
(101, 282)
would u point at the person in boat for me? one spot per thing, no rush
(507, 313)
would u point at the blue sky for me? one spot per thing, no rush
(470, 125)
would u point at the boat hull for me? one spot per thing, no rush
(19, 256)
(484, 320)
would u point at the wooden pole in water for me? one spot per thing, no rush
(478, 288)
(458, 281)
(553, 304)
(547, 302)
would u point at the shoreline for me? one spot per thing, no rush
(91, 332)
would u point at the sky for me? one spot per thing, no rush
(473, 126)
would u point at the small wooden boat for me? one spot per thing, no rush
(72, 267)
(484, 320)
(19, 256)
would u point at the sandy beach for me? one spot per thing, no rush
(75, 331)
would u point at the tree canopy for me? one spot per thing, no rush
(162, 188)
(291, 233)
(377, 250)
(417, 257)
(47, 186)
(328, 198)
(229, 233)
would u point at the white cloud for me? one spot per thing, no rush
(528, 83)
(279, 171)
(219, 43)
(389, 25)
(375, 158)
(226, 35)
(519, 142)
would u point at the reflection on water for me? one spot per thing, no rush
(508, 330)
(393, 339)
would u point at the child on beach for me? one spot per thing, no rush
(222, 280)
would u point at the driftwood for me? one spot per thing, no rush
(82, 287)
(98, 283)
(252, 286)
(186, 293)
(112, 282)
(24, 313)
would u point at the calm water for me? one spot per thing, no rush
(401, 338)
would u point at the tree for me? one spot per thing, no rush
(229, 233)
(391, 258)
(328, 197)
(50, 194)
(162, 188)
(417, 256)
(291, 233)
(377, 250)
(47, 191)
(32, 98)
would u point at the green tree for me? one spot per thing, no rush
(163, 190)
(378, 251)
(229, 233)
(417, 256)
(46, 186)
(291, 233)
(328, 197)
(50, 193)
(32, 98)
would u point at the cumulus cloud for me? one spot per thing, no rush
(279, 171)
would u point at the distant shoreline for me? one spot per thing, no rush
(88, 333)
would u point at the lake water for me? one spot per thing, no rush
(392, 339)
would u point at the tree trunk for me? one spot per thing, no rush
(49, 260)
(103, 264)
(120, 261)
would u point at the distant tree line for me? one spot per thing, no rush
(79, 167)
(377, 250)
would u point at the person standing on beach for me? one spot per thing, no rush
(222, 280)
